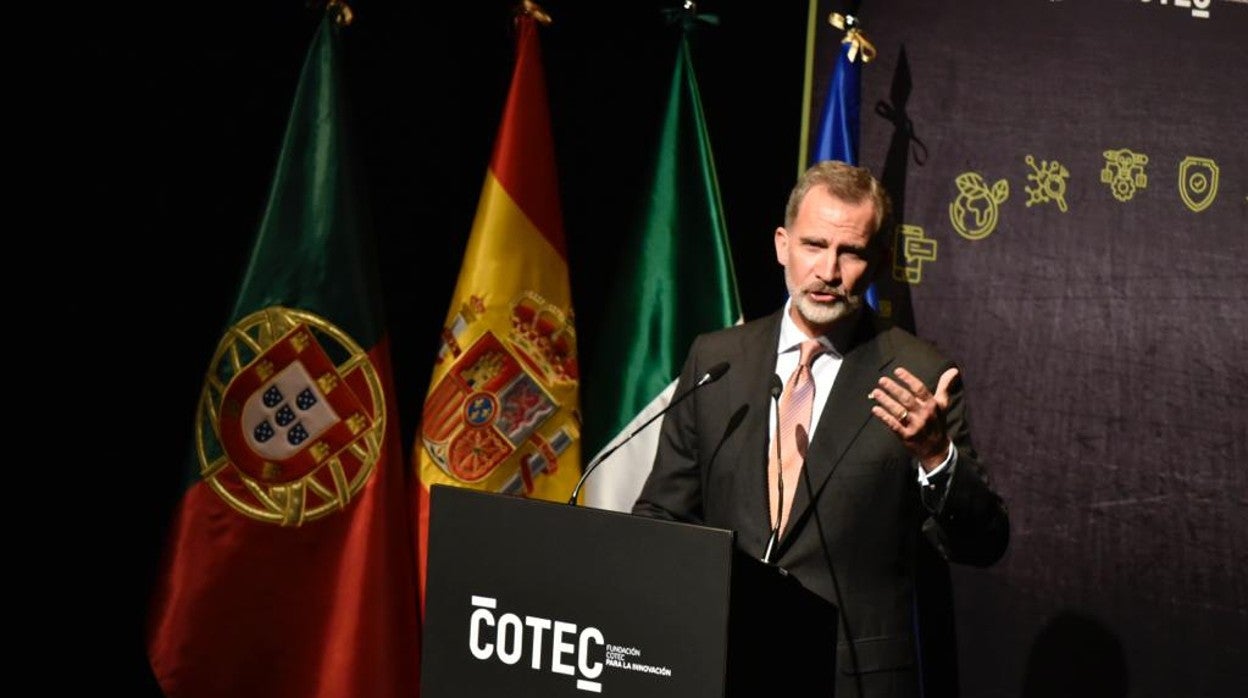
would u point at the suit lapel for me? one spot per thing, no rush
(751, 387)
(846, 412)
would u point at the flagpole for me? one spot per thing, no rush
(808, 81)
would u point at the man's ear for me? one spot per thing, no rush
(781, 240)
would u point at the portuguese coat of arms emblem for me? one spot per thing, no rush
(290, 418)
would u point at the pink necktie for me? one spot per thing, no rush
(795, 408)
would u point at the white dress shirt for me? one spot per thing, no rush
(823, 371)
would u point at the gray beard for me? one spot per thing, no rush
(825, 314)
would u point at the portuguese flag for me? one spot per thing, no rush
(501, 413)
(289, 568)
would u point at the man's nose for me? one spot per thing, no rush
(827, 268)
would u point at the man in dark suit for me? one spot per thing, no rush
(865, 458)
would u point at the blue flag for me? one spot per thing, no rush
(837, 135)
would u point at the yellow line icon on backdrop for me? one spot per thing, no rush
(974, 212)
(912, 250)
(1124, 172)
(1198, 182)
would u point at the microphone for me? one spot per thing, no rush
(777, 387)
(712, 374)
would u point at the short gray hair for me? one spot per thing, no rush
(843, 181)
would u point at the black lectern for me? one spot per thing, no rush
(529, 598)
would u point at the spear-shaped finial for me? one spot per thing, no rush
(687, 15)
(534, 10)
(858, 41)
(341, 12)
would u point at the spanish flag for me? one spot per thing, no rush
(502, 411)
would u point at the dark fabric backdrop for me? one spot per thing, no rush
(1104, 345)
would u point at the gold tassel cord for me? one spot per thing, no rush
(857, 40)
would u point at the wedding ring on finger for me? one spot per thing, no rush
(904, 413)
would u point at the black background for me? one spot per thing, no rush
(164, 125)
(171, 118)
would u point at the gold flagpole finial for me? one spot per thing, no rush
(534, 10)
(857, 40)
(341, 12)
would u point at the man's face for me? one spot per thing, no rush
(826, 258)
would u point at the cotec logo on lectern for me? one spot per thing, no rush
(510, 637)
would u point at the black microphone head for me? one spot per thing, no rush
(777, 386)
(716, 372)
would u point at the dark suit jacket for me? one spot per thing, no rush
(860, 546)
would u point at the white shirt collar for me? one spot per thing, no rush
(791, 337)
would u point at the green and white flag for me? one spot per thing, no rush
(676, 282)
